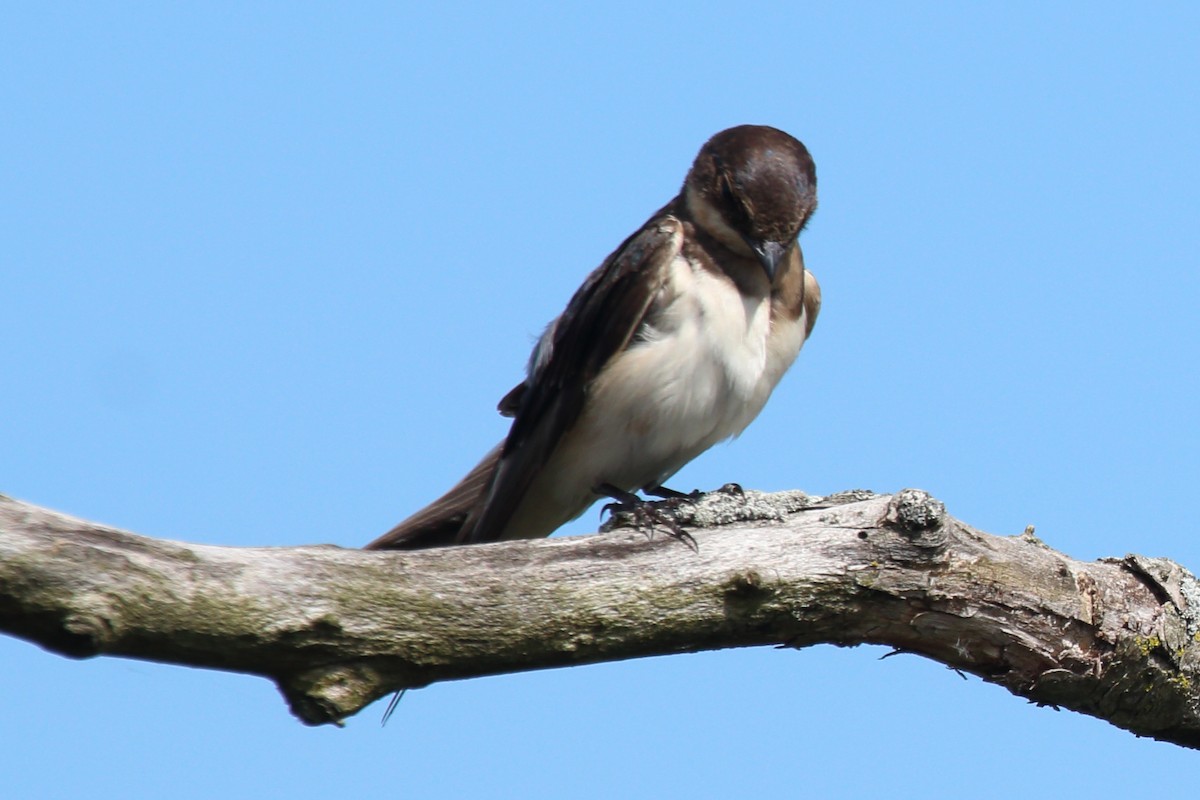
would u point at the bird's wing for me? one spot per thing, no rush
(599, 322)
(810, 296)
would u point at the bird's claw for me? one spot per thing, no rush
(647, 517)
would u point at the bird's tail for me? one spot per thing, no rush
(439, 523)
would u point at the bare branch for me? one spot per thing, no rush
(336, 629)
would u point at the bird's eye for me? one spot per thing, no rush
(734, 206)
(727, 196)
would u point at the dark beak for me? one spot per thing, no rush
(770, 254)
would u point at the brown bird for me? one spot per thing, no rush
(673, 344)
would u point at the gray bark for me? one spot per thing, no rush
(1118, 639)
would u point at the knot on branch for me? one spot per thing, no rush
(914, 511)
(84, 635)
(919, 518)
(331, 693)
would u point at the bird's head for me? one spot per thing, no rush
(753, 188)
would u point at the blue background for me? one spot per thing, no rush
(266, 269)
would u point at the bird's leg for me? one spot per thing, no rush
(672, 494)
(672, 498)
(644, 513)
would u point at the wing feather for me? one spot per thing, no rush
(599, 322)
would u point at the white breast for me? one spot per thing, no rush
(700, 374)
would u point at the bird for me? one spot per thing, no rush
(672, 344)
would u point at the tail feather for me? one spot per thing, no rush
(439, 523)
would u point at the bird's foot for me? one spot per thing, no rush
(668, 493)
(648, 516)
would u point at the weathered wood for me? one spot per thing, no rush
(336, 628)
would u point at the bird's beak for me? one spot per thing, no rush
(769, 254)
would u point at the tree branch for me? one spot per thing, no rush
(336, 629)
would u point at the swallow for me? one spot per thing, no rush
(672, 344)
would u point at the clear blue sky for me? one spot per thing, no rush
(267, 269)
